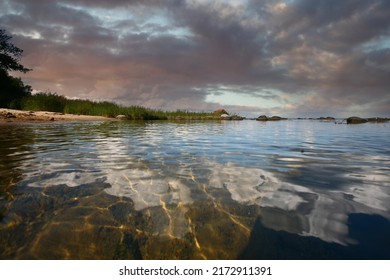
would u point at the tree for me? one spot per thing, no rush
(10, 54)
(12, 89)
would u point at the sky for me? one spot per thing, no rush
(293, 58)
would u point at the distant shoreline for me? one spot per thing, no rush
(19, 116)
(11, 115)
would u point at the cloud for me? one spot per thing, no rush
(168, 54)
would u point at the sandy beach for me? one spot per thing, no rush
(9, 115)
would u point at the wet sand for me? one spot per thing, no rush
(9, 115)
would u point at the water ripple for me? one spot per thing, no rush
(316, 173)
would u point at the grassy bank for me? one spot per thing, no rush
(52, 102)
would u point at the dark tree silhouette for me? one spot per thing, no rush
(12, 89)
(10, 54)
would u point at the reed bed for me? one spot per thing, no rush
(47, 101)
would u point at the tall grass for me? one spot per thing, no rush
(46, 101)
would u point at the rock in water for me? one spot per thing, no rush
(221, 111)
(326, 118)
(273, 118)
(225, 117)
(276, 118)
(262, 118)
(356, 120)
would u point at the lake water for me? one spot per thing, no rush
(295, 189)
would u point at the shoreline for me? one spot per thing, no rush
(17, 116)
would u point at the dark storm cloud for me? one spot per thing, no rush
(172, 54)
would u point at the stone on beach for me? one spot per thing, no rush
(122, 117)
(9, 115)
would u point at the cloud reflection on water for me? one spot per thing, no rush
(175, 168)
(322, 214)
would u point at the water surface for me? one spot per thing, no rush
(295, 189)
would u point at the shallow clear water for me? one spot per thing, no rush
(295, 189)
